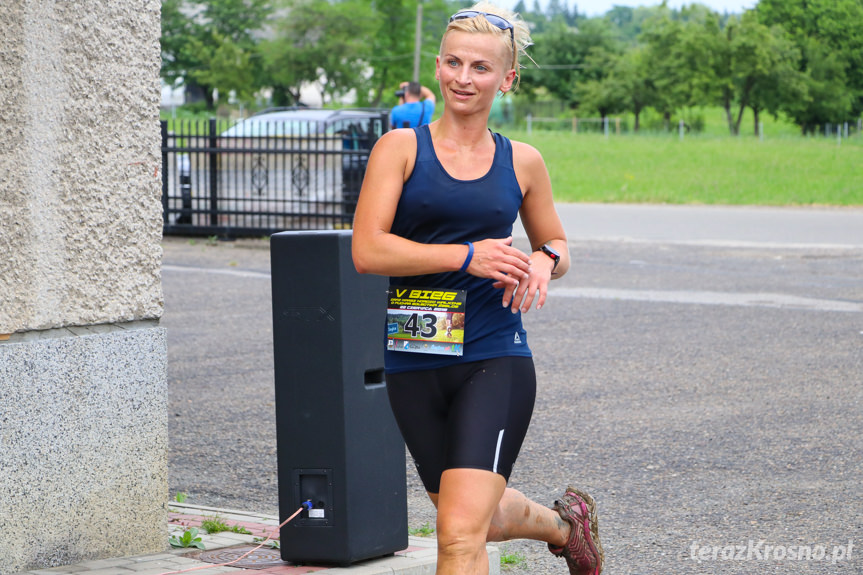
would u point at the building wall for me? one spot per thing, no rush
(80, 202)
(83, 425)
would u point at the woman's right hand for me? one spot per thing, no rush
(498, 260)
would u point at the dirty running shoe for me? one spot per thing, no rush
(583, 551)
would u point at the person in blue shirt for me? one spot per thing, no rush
(436, 214)
(416, 106)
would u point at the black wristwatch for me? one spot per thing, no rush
(552, 253)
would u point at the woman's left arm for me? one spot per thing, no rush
(543, 226)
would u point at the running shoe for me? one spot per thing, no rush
(583, 551)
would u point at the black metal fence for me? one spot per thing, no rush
(260, 176)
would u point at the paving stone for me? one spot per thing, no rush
(113, 570)
(102, 563)
(157, 557)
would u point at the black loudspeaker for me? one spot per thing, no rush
(339, 449)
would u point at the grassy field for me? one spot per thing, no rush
(789, 170)
(712, 167)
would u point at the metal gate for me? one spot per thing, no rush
(293, 169)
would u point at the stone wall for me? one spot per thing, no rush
(83, 424)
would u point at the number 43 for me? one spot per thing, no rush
(424, 325)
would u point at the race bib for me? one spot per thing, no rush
(426, 320)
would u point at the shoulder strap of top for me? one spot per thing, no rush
(503, 150)
(424, 143)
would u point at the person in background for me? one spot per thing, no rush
(436, 213)
(416, 106)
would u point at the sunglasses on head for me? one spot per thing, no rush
(493, 19)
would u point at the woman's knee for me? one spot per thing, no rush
(467, 501)
(461, 535)
(454, 545)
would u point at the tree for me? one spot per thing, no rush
(351, 46)
(317, 41)
(214, 44)
(826, 82)
(698, 51)
(624, 89)
(559, 10)
(628, 22)
(604, 96)
(238, 20)
(667, 75)
(827, 33)
(177, 28)
(783, 87)
(224, 66)
(568, 56)
(607, 89)
(287, 63)
(392, 44)
(757, 53)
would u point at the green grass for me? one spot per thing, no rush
(425, 531)
(701, 169)
(710, 167)
(216, 525)
(512, 560)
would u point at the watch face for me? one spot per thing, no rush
(551, 251)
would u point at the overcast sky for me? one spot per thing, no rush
(599, 7)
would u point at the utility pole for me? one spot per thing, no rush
(418, 40)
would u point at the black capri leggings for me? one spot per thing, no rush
(472, 415)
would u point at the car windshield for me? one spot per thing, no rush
(299, 123)
(272, 126)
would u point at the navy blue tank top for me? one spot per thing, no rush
(436, 208)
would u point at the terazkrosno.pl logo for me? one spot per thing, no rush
(760, 550)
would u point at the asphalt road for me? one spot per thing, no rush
(700, 373)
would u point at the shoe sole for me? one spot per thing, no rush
(593, 524)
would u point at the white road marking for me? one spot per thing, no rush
(766, 300)
(236, 273)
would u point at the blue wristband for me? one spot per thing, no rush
(469, 256)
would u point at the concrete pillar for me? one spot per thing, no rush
(83, 392)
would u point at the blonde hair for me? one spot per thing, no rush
(517, 43)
